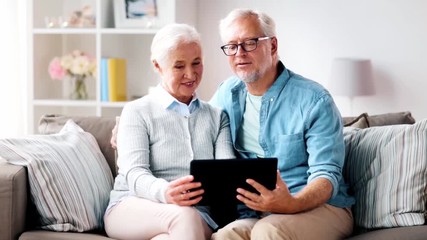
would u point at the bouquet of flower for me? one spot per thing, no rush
(77, 66)
(72, 64)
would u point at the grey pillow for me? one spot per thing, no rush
(391, 119)
(386, 168)
(99, 127)
(358, 122)
(384, 119)
(69, 179)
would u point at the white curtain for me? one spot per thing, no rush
(12, 69)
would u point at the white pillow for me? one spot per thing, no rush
(70, 180)
(386, 168)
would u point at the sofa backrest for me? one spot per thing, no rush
(99, 127)
(385, 119)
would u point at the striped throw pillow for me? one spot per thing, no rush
(69, 178)
(386, 168)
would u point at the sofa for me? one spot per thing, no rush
(385, 156)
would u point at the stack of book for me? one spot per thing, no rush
(113, 80)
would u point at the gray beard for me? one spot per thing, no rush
(249, 78)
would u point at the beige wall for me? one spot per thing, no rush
(311, 33)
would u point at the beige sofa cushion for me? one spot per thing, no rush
(382, 119)
(13, 200)
(391, 119)
(358, 122)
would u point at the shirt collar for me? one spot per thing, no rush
(168, 102)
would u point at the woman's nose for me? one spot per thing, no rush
(189, 73)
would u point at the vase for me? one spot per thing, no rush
(78, 88)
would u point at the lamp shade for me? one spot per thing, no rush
(351, 77)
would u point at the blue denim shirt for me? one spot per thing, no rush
(299, 124)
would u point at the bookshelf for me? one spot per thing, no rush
(47, 96)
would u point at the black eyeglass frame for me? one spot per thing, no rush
(243, 44)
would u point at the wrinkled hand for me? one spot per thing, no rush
(182, 191)
(278, 200)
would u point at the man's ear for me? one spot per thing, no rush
(274, 46)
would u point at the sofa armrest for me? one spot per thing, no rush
(13, 200)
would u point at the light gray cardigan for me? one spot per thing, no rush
(156, 145)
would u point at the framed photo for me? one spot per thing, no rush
(135, 13)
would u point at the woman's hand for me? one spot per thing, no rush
(184, 192)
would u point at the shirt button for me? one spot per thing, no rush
(271, 99)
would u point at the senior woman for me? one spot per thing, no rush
(158, 135)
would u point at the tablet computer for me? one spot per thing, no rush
(221, 177)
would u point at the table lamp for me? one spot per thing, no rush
(351, 77)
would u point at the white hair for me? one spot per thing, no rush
(266, 22)
(169, 37)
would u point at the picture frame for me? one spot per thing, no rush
(135, 13)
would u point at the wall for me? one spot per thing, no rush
(12, 67)
(393, 34)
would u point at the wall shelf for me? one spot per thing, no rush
(47, 96)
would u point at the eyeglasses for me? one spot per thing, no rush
(248, 46)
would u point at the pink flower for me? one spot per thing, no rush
(56, 71)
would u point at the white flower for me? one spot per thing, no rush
(77, 63)
(80, 65)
